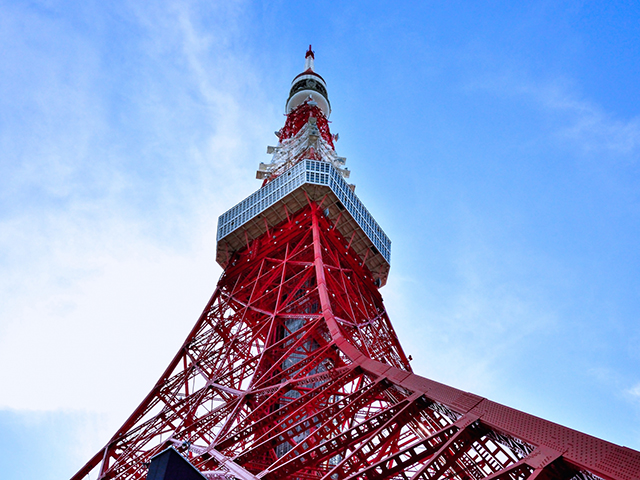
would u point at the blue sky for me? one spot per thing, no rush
(498, 145)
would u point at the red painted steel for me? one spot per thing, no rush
(299, 118)
(294, 371)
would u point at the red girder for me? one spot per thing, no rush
(299, 116)
(294, 370)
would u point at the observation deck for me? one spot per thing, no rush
(320, 181)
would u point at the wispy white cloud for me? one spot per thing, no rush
(634, 392)
(618, 381)
(588, 125)
(575, 119)
(108, 238)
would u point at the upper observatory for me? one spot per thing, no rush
(309, 84)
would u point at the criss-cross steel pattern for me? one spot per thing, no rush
(294, 371)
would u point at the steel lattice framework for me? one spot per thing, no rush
(294, 371)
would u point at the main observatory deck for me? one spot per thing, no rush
(320, 182)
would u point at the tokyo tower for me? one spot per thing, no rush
(294, 371)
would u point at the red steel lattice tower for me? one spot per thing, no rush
(294, 370)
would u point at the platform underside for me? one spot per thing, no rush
(289, 206)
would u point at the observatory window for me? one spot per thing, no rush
(310, 171)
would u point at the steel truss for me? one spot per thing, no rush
(294, 371)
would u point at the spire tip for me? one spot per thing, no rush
(310, 53)
(308, 59)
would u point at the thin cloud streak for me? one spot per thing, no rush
(578, 121)
(110, 263)
(590, 127)
(635, 392)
